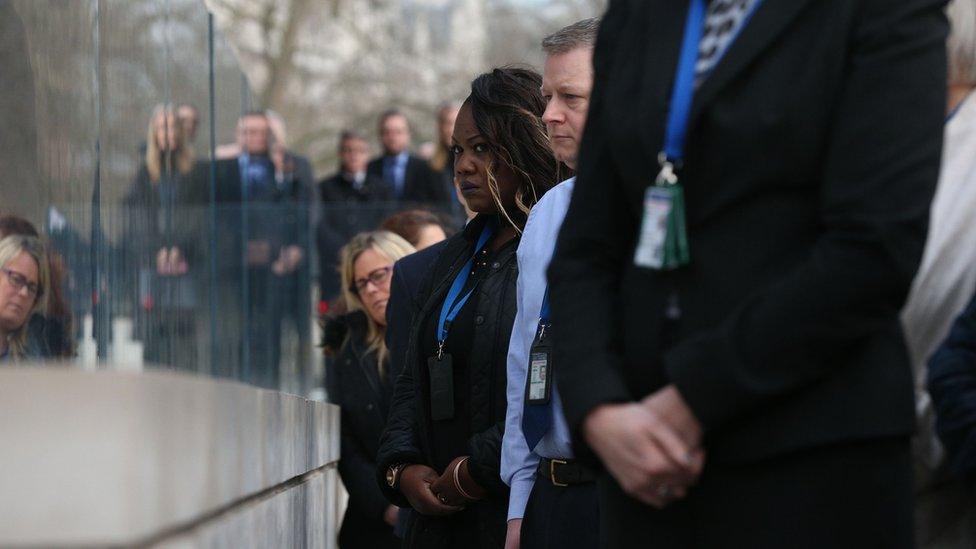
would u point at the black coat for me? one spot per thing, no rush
(407, 436)
(346, 211)
(363, 396)
(420, 184)
(812, 155)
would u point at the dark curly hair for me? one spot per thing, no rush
(507, 107)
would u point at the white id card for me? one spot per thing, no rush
(538, 377)
(654, 228)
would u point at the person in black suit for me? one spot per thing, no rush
(767, 344)
(408, 177)
(361, 384)
(353, 200)
(261, 220)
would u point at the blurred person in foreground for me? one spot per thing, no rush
(748, 216)
(163, 260)
(23, 285)
(408, 177)
(362, 384)
(353, 200)
(421, 228)
(944, 511)
(53, 328)
(441, 449)
(555, 493)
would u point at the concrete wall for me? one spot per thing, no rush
(162, 459)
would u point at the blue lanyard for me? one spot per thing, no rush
(454, 301)
(684, 85)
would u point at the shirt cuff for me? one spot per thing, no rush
(519, 497)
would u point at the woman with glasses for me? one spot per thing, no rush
(23, 281)
(441, 451)
(361, 384)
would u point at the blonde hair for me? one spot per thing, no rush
(961, 44)
(391, 246)
(11, 247)
(182, 156)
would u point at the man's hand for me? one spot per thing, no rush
(170, 262)
(289, 259)
(513, 537)
(643, 453)
(668, 404)
(258, 252)
(391, 514)
(415, 481)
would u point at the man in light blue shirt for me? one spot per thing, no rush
(555, 495)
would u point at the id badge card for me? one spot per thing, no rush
(658, 203)
(538, 385)
(441, 371)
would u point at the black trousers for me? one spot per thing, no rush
(853, 495)
(561, 517)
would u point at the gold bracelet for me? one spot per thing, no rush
(457, 481)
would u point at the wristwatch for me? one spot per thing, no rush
(393, 475)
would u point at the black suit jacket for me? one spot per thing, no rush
(420, 184)
(813, 152)
(346, 211)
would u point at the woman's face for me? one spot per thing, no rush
(372, 272)
(167, 132)
(472, 156)
(18, 291)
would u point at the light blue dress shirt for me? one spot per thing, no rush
(519, 463)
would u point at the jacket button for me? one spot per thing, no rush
(369, 406)
(479, 320)
(496, 265)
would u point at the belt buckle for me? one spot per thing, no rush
(552, 471)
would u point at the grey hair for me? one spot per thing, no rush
(581, 34)
(961, 45)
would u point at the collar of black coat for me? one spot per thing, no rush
(337, 330)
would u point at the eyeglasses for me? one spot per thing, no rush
(377, 277)
(20, 282)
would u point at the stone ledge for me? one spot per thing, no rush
(109, 458)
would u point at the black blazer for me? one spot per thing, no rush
(812, 155)
(405, 302)
(345, 212)
(420, 183)
(364, 398)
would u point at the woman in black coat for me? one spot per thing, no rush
(359, 382)
(161, 243)
(441, 451)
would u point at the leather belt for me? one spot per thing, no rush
(564, 472)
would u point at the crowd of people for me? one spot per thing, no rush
(697, 284)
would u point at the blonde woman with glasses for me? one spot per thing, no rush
(361, 384)
(23, 285)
